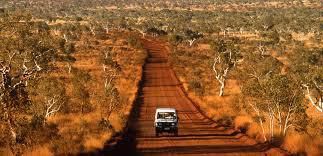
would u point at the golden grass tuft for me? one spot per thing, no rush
(248, 126)
(254, 131)
(92, 143)
(242, 122)
(116, 121)
(40, 150)
(301, 144)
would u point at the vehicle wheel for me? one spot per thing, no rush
(156, 133)
(176, 132)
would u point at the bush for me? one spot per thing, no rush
(242, 123)
(225, 121)
(37, 121)
(134, 42)
(105, 124)
(69, 48)
(196, 86)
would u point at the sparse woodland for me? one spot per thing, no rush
(69, 68)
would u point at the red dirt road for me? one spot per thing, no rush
(198, 135)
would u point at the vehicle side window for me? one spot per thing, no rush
(159, 115)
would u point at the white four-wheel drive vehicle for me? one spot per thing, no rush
(166, 120)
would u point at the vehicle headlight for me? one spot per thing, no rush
(159, 124)
(173, 124)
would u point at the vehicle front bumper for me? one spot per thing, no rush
(166, 127)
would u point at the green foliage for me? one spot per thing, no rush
(280, 94)
(259, 67)
(190, 34)
(227, 49)
(27, 50)
(175, 39)
(134, 42)
(156, 32)
(307, 64)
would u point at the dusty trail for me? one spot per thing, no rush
(198, 135)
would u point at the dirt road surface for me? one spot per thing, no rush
(198, 135)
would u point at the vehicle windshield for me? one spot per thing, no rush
(166, 115)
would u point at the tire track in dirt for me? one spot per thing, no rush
(198, 135)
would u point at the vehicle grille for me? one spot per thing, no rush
(166, 124)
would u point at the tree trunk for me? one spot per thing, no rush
(12, 131)
(222, 82)
(317, 104)
(191, 42)
(263, 129)
(260, 121)
(69, 66)
(271, 123)
(280, 122)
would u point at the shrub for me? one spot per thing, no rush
(37, 121)
(69, 48)
(242, 123)
(196, 86)
(134, 42)
(105, 124)
(225, 121)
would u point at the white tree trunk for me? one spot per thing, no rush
(291, 110)
(191, 42)
(12, 131)
(52, 107)
(279, 118)
(260, 121)
(220, 76)
(222, 83)
(271, 122)
(318, 104)
(69, 66)
(106, 30)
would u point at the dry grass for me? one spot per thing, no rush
(187, 60)
(301, 144)
(93, 143)
(247, 125)
(81, 132)
(242, 122)
(43, 151)
(192, 63)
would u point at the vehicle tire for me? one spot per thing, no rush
(156, 133)
(176, 132)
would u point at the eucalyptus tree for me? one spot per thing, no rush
(226, 57)
(307, 68)
(26, 53)
(111, 68)
(276, 99)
